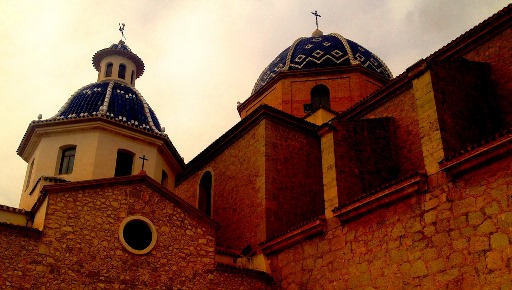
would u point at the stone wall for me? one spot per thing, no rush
(80, 246)
(237, 191)
(264, 183)
(465, 103)
(405, 144)
(456, 236)
(293, 177)
(496, 52)
(364, 156)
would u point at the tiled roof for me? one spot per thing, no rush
(302, 224)
(482, 143)
(323, 51)
(26, 229)
(12, 209)
(113, 100)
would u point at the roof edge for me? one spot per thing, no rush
(487, 29)
(238, 130)
(131, 179)
(316, 71)
(86, 119)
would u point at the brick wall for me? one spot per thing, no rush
(345, 90)
(291, 92)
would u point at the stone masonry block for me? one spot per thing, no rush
(475, 218)
(430, 217)
(464, 206)
(486, 227)
(499, 241)
(478, 243)
(418, 269)
(494, 260)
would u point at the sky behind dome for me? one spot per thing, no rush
(201, 57)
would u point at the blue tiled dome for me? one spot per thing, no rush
(322, 51)
(113, 100)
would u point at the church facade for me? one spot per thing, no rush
(338, 176)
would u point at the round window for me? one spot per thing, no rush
(137, 234)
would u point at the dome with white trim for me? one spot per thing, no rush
(113, 96)
(322, 51)
(114, 100)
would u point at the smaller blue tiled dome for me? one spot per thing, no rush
(322, 51)
(113, 100)
(118, 49)
(121, 46)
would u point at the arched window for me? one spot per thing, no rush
(122, 71)
(108, 72)
(132, 77)
(204, 202)
(320, 97)
(29, 176)
(67, 160)
(124, 162)
(165, 178)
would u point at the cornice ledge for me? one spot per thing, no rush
(280, 243)
(387, 195)
(477, 157)
(250, 272)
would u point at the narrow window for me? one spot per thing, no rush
(122, 71)
(67, 160)
(108, 72)
(204, 203)
(165, 178)
(132, 77)
(29, 176)
(320, 97)
(124, 163)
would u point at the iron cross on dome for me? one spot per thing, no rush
(121, 29)
(316, 17)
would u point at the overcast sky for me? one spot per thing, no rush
(201, 57)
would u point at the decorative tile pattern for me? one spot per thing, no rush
(112, 100)
(272, 69)
(320, 52)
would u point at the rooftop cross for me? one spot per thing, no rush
(121, 28)
(316, 17)
(143, 159)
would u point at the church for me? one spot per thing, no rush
(337, 176)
